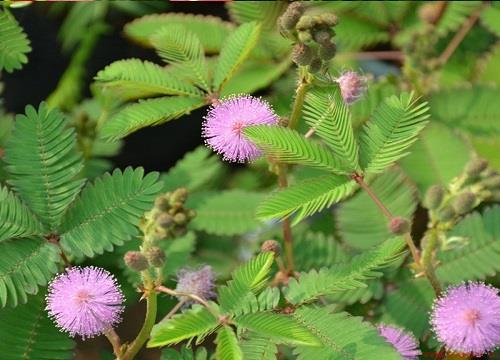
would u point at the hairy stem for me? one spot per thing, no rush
(115, 342)
(427, 254)
(300, 94)
(287, 229)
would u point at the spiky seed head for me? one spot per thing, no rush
(156, 256)
(302, 54)
(464, 203)
(446, 214)
(352, 86)
(475, 167)
(136, 260)
(271, 245)
(327, 51)
(434, 197)
(199, 282)
(399, 226)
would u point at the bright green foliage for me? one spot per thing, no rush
(316, 250)
(149, 112)
(306, 198)
(344, 276)
(211, 31)
(342, 337)
(373, 290)
(289, 146)
(409, 306)
(488, 71)
(280, 327)
(43, 163)
(354, 34)
(185, 353)
(454, 16)
(107, 212)
(248, 278)
(366, 105)
(359, 220)
(195, 322)
(490, 18)
(265, 12)
(26, 264)
(14, 43)
(227, 345)
(480, 257)
(229, 212)
(179, 46)
(28, 334)
(268, 299)
(326, 112)
(17, 219)
(258, 347)
(393, 127)
(236, 49)
(134, 78)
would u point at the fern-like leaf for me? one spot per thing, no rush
(43, 163)
(268, 299)
(289, 146)
(326, 112)
(107, 212)
(490, 18)
(28, 334)
(345, 276)
(265, 12)
(236, 49)
(316, 250)
(306, 198)
(195, 322)
(258, 347)
(14, 44)
(394, 126)
(227, 345)
(454, 16)
(150, 112)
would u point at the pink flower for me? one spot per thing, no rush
(198, 282)
(352, 86)
(467, 318)
(405, 343)
(85, 301)
(225, 121)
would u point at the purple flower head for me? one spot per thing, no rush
(85, 301)
(224, 124)
(467, 318)
(352, 86)
(198, 282)
(405, 343)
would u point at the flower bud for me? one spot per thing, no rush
(492, 182)
(136, 260)
(327, 51)
(302, 54)
(328, 19)
(289, 19)
(304, 36)
(155, 256)
(180, 218)
(306, 22)
(161, 203)
(322, 36)
(179, 195)
(315, 65)
(164, 220)
(434, 197)
(399, 226)
(475, 167)
(464, 203)
(446, 214)
(351, 86)
(271, 245)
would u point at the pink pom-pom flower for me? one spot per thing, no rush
(352, 86)
(405, 343)
(467, 318)
(225, 121)
(197, 282)
(85, 301)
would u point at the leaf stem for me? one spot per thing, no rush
(194, 297)
(174, 310)
(115, 341)
(287, 229)
(300, 94)
(427, 254)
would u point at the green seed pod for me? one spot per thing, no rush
(306, 22)
(302, 54)
(180, 218)
(271, 245)
(304, 36)
(434, 197)
(156, 256)
(464, 203)
(475, 167)
(315, 65)
(136, 260)
(446, 214)
(328, 19)
(327, 52)
(399, 226)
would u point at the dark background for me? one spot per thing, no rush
(156, 148)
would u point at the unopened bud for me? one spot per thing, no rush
(155, 256)
(136, 260)
(493, 182)
(179, 195)
(315, 65)
(304, 36)
(434, 197)
(302, 54)
(475, 167)
(327, 51)
(161, 203)
(306, 22)
(464, 203)
(328, 19)
(352, 86)
(446, 214)
(399, 226)
(180, 218)
(322, 36)
(164, 220)
(292, 14)
(271, 245)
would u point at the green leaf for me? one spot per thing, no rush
(248, 278)
(227, 345)
(185, 353)
(231, 212)
(181, 47)
(266, 12)
(133, 78)
(14, 43)
(487, 70)
(210, 30)
(490, 18)
(268, 299)
(236, 49)
(258, 347)
(28, 334)
(355, 34)
(306, 198)
(316, 250)
(326, 112)
(107, 213)
(280, 327)
(43, 163)
(289, 146)
(342, 337)
(195, 322)
(26, 264)
(149, 112)
(480, 256)
(344, 276)
(16, 220)
(454, 16)
(393, 127)
(360, 222)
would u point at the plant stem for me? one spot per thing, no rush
(194, 297)
(300, 95)
(115, 341)
(174, 310)
(287, 229)
(427, 253)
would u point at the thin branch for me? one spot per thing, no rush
(428, 251)
(193, 297)
(115, 341)
(287, 229)
(174, 310)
